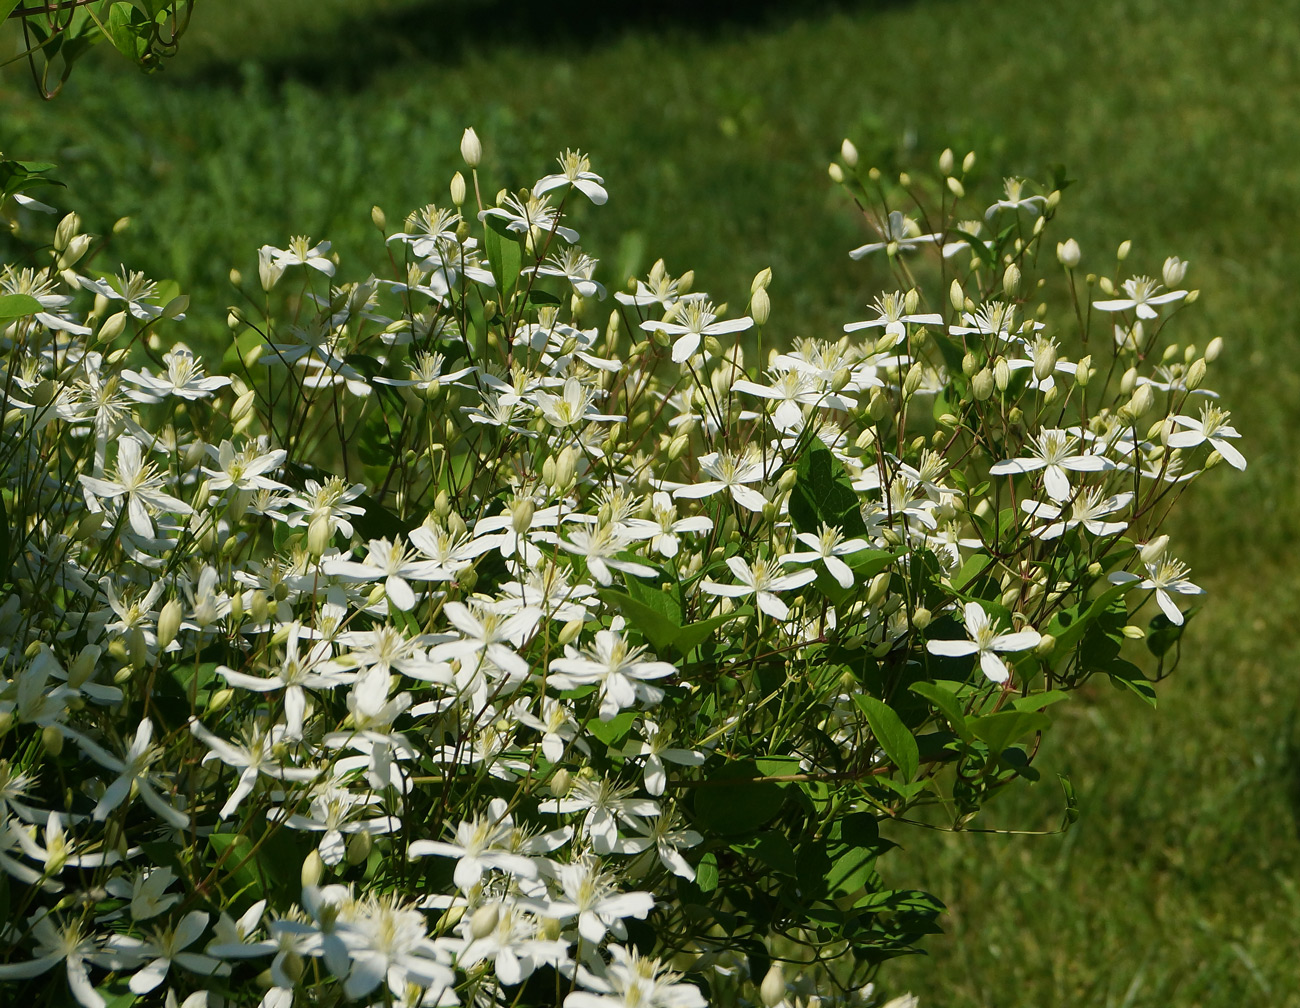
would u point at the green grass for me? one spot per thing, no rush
(1182, 123)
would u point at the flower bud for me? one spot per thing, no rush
(1133, 632)
(677, 447)
(484, 921)
(878, 588)
(946, 161)
(1152, 551)
(772, 989)
(112, 327)
(955, 187)
(1122, 252)
(835, 172)
(1083, 371)
(1044, 359)
(957, 295)
(849, 154)
(1046, 645)
(313, 869)
(52, 739)
(878, 406)
(470, 148)
(73, 253)
(915, 375)
(1173, 271)
(982, 384)
(561, 782)
(1195, 374)
(1128, 381)
(762, 280)
(521, 513)
(1001, 374)
(1213, 349)
(359, 847)
(760, 306)
(970, 364)
(1011, 280)
(1142, 401)
(169, 623)
(1068, 253)
(922, 617)
(220, 699)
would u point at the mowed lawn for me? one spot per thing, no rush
(1180, 885)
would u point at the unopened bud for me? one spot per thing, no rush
(52, 739)
(1173, 271)
(359, 846)
(677, 447)
(484, 921)
(955, 187)
(470, 148)
(561, 782)
(982, 384)
(1152, 551)
(169, 623)
(957, 295)
(1001, 374)
(313, 870)
(922, 618)
(835, 172)
(1133, 632)
(1142, 401)
(1195, 374)
(521, 514)
(1046, 645)
(1128, 381)
(1122, 252)
(1213, 349)
(849, 154)
(1068, 253)
(112, 327)
(1044, 359)
(772, 989)
(878, 588)
(915, 375)
(946, 161)
(760, 306)
(1083, 371)
(1011, 280)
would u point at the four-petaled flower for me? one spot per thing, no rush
(985, 643)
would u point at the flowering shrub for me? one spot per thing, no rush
(456, 639)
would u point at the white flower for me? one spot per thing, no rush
(697, 321)
(60, 943)
(732, 472)
(761, 581)
(1164, 575)
(985, 642)
(140, 483)
(1087, 509)
(616, 667)
(828, 546)
(480, 844)
(1053, 451)
(899, 233)
(633, 981)
(300, 253)
(1143, 293)
(1213, 427)
(575, 170)
(1016, 199)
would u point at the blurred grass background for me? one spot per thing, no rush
(713, 125)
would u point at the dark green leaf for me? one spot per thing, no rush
(891, 733)
(504, 254)
(733, 802)
(1162, 634)
(824, 495)
(946, 702)
(1001, 729)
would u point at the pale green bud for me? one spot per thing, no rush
(1173, 271)
(1213, 349)
(52, 739)
(313, 869)
(112, 328)
(1001, 374)
(1124, 248)
(677, 447)
(968, 162)
(1011, 279)
(1105, 285)
(955, 187)
(849, 153)
(970, 364)
(1142, 401)
(760, 306)
(484, 921)
(169, 623)
(957, 295)
(915, 375)
(1083, 371)
(772, 989)
(521, 513)
(77, 248)
(220, 699)
(1128, 381)
(470, 148)
(1046, 645)
(835, 172)
(1068, 253)
(359, 846)
(561, 783)
(1195, 374)
(878, 406)
(982, 384)
(922, 617)
(946, 161)
(1133, 632)
(878, 588)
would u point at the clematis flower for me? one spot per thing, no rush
(985, 643)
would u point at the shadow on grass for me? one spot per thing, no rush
(447, 32)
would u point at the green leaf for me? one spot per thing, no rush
(654, 623)
(733, 802)
(893, 736)
(612, 731)
(505, 255)
(772, 849)
(126, 28)
(1163, 633)
(1068, 625)
(7, 8)
(706, 873)
(1071, 802)
(14, 306)
(1037, 701)
(823, 494)
(1001, 729)
(974, 565)
(946, 702)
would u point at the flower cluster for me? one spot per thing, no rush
(477, 637)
